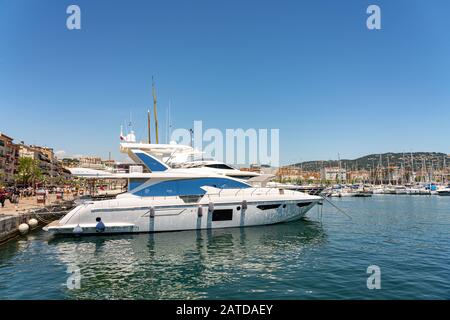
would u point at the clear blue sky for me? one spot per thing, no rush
(310, 68)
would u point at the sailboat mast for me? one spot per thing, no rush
(168, 123)
(169, 130)
(155, 111)
(148, 127)
(380, 167)
(389, 173)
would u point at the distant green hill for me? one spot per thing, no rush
(436, 159)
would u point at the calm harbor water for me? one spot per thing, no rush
(408, 237)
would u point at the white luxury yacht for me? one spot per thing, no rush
(169, 199)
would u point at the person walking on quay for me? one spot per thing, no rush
(3, 196)
(15, 196)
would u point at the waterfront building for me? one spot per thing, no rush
(9, 155)
(70, 162)
(34, 152)
(334, 174)
(296, 174)
(47, 162)
(51, 164)
(359, 176)
(109, 163)
(91, 162)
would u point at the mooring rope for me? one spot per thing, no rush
(42, 219)
(47, 210)
(337, 208)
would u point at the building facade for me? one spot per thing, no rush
(91, 162)
(48, 164)
(334, 174)
(9, 157)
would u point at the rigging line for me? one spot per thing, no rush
(336, 207)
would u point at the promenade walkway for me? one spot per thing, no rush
(28, 203)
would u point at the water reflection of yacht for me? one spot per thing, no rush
(183, 264)
(168, 199)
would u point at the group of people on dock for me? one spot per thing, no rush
(12, 194)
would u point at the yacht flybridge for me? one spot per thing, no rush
(183, 157)
(172, 199)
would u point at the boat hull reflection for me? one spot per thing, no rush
(181, 265)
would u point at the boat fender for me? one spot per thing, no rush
(199, 211)
(33, 223)
(24, 228)
(210, 207)
(244, 205)
(77, 230)
(152, 212)
(100, 227)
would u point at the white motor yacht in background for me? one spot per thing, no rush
(400, 190)
(411, 190)
(378, 189)
(167, 199)
(389, 189)
(445, 191)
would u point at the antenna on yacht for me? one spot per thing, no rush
(122, 137)
(154, 110)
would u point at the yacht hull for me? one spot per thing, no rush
(177, 218)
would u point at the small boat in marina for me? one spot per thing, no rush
(424, 191)
(444, 191)
(342, 192)
(411, 190)
(362, 194)
(400, 190)
(390, 189)
(378, 189)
